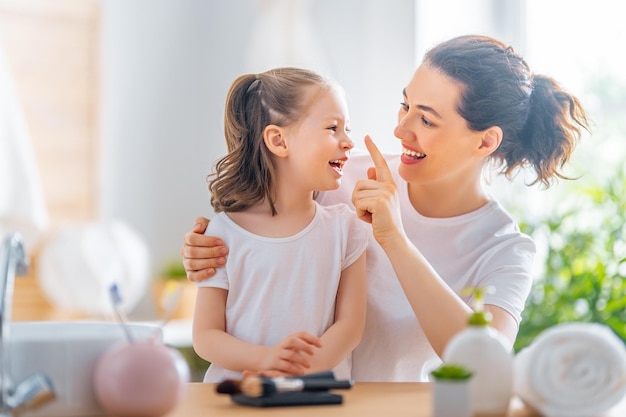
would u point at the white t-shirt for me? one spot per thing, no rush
(481, 248)
(279, 286)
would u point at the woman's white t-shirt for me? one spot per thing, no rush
(481, 248)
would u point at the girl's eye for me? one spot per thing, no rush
(404, 106)
(426, 122)
(333, 128)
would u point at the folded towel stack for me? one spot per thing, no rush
(572, 370)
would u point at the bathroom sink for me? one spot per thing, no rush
(67, 352)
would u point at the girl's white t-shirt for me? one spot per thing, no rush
(481, 248)
(279, 286)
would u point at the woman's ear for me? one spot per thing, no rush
(274, 138)
(490, 140)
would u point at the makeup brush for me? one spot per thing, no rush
(233, 386)
(258, 386)
(229, 386)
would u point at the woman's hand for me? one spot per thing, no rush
(376, 199)
(202, 254)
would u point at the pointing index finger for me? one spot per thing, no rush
(383, 174)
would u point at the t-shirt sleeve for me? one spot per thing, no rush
(220, 279)
(512, 277)
(357, 237)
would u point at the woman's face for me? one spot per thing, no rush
(437, 145)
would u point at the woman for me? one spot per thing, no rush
(473, 101)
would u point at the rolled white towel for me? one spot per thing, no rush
(572, 370)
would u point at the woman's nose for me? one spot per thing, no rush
(400, 131)
(403, 129)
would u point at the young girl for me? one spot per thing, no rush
(472, 101)
(293, 296)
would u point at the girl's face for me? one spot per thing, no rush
(437, 145)
(319, 144)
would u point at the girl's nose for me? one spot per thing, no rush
(347, 143)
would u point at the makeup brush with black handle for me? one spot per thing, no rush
(258, 386)
(233, 386)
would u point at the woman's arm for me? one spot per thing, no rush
(345, 333)
(202, 254)
(292, 355)
(441, 312)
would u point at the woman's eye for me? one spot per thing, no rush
(426, 122)
(404, 106)
(333, 128)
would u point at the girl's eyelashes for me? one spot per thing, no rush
(426, 122)
(404, 106)
(335, 127)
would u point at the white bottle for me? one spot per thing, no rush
(483, 351)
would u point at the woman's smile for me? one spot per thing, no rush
(410, 156)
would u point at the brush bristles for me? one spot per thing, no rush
(229, 386)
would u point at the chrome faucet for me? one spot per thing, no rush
(36, 389)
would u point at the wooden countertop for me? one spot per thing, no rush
(370, 399)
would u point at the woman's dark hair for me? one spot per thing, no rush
(245, 176)
(541, 123)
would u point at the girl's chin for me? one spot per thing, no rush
(330, 186)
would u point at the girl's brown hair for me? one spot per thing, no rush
(541, 123)
(245, 176)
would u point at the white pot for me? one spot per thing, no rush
(451, 398)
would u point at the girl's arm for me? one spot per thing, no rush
(345, 333)
(292, 355)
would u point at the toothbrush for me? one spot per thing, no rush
(116, 299)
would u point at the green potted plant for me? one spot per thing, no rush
(451, 391)
(174, 295)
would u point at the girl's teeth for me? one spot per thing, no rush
(338, 164)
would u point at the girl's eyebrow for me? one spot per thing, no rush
(423, 107)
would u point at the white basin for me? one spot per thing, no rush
(67, 352)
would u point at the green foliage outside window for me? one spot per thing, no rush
(585, 263)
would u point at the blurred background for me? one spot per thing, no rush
(116, 107)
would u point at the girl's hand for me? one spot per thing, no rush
(267, 374)
(291, 355)
(376, 199)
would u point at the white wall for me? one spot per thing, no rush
(166, 67)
